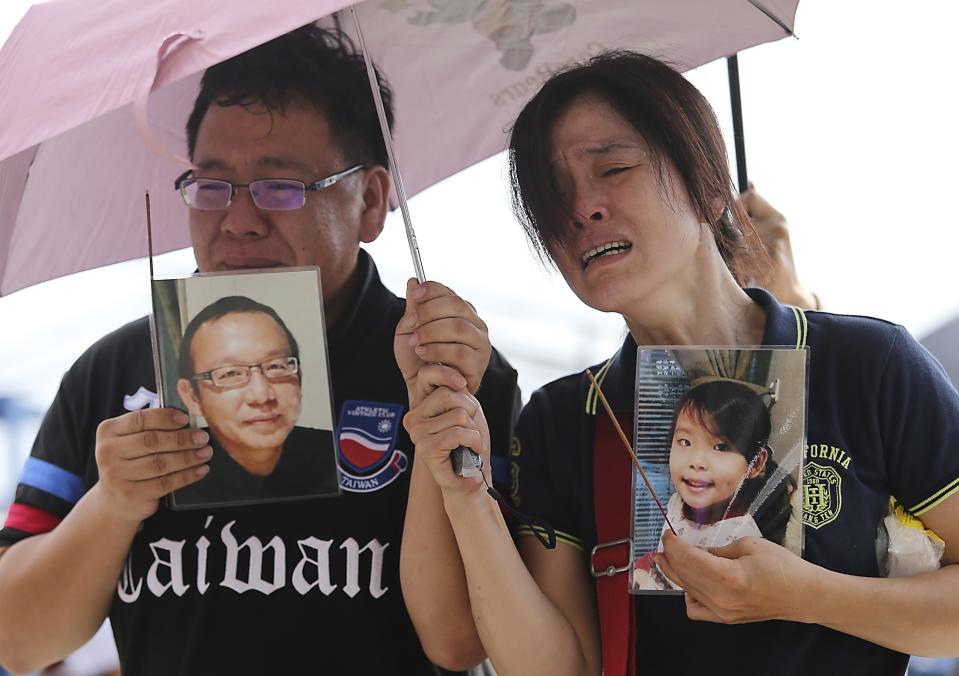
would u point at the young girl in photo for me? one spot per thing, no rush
(719, 460)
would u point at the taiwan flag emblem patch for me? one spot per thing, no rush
(366, 436)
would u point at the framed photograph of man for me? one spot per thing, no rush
(720, 434)
(245, 355)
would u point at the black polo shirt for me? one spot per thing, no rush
(306, 468)
(883, 419)
(307, 586)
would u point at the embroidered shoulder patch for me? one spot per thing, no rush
(822, 495)
(366, 443)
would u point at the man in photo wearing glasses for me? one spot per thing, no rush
(240, 371)
(289, 170)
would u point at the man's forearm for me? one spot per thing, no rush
(917, 615)
(434, 584)
(56, 588)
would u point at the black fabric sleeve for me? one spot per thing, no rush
(62, 464)
(53, 477)
(542, 474)
(918, 409)
(499, 396)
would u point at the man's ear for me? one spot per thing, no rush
(185, 389)
(376, 195)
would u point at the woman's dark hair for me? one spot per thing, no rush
(674, 119)
(311, 65)
(222, 307)
(737, 413)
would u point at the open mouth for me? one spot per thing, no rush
(608, 249)
(697, 485)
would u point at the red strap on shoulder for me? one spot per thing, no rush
(612, 472)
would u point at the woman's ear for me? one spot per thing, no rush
(718, 212)
(758, 467)
(725, 219)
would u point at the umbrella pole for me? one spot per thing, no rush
(464, 460)
(735, 100)
(149, 234)
(388, 140)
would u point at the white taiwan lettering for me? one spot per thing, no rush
(173, 562)
(255, 548)
(202, 545)
(252, 565)
(318, 562)
(126, 590)
(353, 551)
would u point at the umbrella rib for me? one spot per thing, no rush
(772, 17)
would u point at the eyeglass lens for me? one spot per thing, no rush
(278, 193)
(240, 374)
(275, 194)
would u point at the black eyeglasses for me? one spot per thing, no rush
(269, 194)
(238, 375)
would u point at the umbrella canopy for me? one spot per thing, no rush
(74, 165)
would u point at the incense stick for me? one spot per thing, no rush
(149, 235)
(629, 446)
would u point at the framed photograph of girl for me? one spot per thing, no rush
(720, 434)
(245, 355)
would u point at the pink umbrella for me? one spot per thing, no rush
(73, 158)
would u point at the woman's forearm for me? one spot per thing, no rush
(433, 581)
(917, 615)
(523, 630)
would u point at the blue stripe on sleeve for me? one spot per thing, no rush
(52, 479)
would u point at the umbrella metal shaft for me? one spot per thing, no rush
(735, 100)
(388, 140)
(464, 460)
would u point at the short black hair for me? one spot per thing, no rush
(732, 410)
(669, 113)
(222, 307)
(312, 65)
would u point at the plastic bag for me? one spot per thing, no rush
(904, 545)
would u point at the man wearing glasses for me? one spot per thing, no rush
(289, 170)
(240, 371)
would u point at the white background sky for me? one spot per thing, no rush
(850, 131)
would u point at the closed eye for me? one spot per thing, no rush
(212, 186)
(281, 187)
(612, 171)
